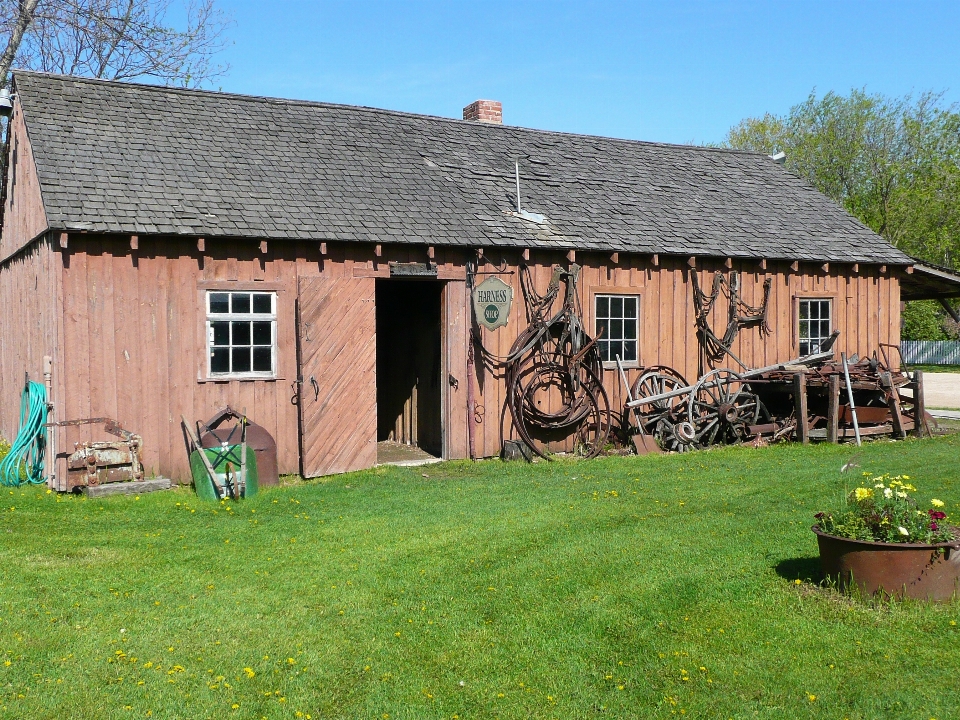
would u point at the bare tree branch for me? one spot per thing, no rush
(24, 17)
(119, 39)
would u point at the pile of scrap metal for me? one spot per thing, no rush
(99, 462)
(812, 397)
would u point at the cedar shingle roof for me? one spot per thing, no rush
(126, 158)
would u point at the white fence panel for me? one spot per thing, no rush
(930, 352)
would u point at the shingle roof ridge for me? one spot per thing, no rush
(127, 85)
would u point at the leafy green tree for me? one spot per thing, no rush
(894, 163)
(924, 320)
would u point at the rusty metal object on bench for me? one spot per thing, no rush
(95, 463)
(214, 433)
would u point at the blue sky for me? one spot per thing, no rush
(678, 72)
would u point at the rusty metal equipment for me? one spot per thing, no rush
(800, 399)
(553, 373)
(99, 462)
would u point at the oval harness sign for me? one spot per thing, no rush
(491, 302)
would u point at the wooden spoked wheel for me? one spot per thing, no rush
(721, 407)
(656, 381)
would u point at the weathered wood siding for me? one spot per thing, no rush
(23, 215)
(29, 324)
(134, 342)
(29, 281)
(866, 310)
(134, 347)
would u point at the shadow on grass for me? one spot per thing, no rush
(803, 568)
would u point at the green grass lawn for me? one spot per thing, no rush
(648, 587)
(935, 368)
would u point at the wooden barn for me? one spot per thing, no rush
(175, 251)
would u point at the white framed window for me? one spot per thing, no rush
(814, 324)
(241, 334)
(617, 327)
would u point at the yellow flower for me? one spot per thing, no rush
(863, 493)
(936, 503)
(811, 698)
(249, 671)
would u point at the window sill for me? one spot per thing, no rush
(239, 378)
(612, 365)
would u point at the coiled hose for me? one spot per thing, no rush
(24, 463)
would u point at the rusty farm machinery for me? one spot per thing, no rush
(811, 397)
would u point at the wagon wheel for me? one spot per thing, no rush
(675, 434)
(656, 381)
(720, 407)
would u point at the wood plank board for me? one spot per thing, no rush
(338, 355)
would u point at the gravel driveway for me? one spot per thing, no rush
(941, 390)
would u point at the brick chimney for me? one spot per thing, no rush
(485, 111)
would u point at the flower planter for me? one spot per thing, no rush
(923, 572)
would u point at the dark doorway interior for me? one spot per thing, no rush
(409, 364)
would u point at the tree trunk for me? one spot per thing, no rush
(27, 8)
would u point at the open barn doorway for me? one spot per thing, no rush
(409, 368)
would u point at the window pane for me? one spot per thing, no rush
(262, 361)
(805, 329)
(616, 307)
(221, 333)
(261, 303)
(630, 329)
(262, 334)
(241, 333)
(241, 302)
(604, 350)
(241, 359)
(219, 302)
(616, 329)
(603, 307)
(602, 331)
(804, 310)
(616, 349)
(629, 351)
(220, 360)
(629, 307)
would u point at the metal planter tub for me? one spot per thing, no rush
(923, 572)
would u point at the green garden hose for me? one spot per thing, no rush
(24, 463)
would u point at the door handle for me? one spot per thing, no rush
(316, 388)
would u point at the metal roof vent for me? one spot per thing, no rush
(532, 217)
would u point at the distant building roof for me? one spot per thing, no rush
(127, 158)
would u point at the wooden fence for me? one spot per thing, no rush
(930, 352)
